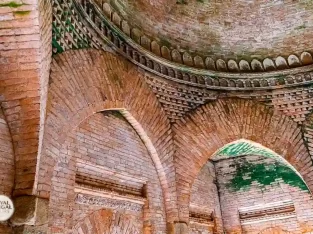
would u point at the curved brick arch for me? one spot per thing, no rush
(84, 82)
(216, 124)
(24, 71)
(7, 167)
(6, 158)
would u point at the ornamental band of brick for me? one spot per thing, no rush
(107, 202)
(100, 32)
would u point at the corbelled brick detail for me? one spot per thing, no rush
(84, 82)
(25, 52)
(212, 126)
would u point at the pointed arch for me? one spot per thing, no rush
(85, 82)
(216, 124)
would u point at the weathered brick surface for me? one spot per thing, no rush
(223, 29)
(25, 55)
(104, 220)
(87, 81)
(6, 158)
(111, 142)
(6, 164)
(257, 194)
(204, 197)
(212, 126)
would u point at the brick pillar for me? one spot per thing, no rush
(31, 215)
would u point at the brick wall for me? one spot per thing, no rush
(6, 158)
(224, 28)
(108, 221)
(107, 141)
(200, 134)
(25, 52)
(6, 164)
(84, 82)
(204, 198)
(268, 186)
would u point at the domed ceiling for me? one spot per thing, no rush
(228, 29)
(196, 51)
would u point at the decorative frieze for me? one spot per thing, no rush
(267, 212)
(206, 219)
(85, 199)
(103, 32)
(185, 58)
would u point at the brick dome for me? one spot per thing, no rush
(228, 29)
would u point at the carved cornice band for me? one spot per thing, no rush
(85, 199)
(104, 33)
(163, 49)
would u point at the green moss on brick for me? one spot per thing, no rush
(11, 4)
(164, 42)
(244, 148)
(21, 13)
(264, 174)
(56, 47)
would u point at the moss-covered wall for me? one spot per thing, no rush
(252, 180)
(263, 174)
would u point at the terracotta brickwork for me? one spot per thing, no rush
(204, 198)
(228, 29)
(119, 138)
(25, 52)
(107, 141)
(87, 81)
(6, 158)
(6, 164)
(212, 126)
(263, 190)
(103, 221)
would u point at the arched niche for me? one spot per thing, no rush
(246, 188)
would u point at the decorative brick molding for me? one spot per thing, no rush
(258, 192)
(201, 218)
(267, 212)
(183, 90)
(107, 202)
(92, 141)
(106, 89)
(274, 230)
(112, 183)
(216, 124)
(134, 36)
(102, 32)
